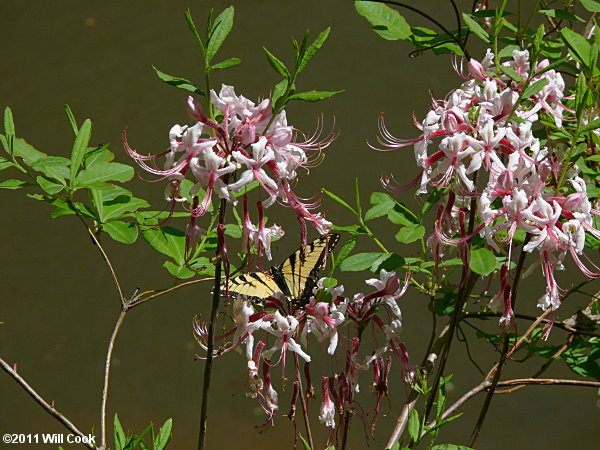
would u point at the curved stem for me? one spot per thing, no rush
(516, 382)
(487, 380)
(468, 280)
(210, 338)
(50, 409)
(111, 345)
(303, 403)
(139, 299)
(503, 354)
(409, 405)
(431, 19)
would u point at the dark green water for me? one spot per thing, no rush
(56, 296)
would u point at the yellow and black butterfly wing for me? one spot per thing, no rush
(300, 270)
(295, 277)
(254, 285)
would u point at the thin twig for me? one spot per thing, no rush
(111, 344)
(487, 381)
(544, 366)
(139, 299)
(106, 259)
(549, 381)
(557, 324)
(50, 409)
(431, 19)
(503, 355)
(303, 404)
(211, 331)
(409, 405)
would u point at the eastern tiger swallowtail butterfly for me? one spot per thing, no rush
(295, 277)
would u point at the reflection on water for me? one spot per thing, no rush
(57, 298)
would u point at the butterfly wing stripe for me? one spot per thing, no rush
(295, 277)
(302, 266)
(253, 285)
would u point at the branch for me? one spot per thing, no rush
(557, 324)
(549, 381)
(106, 258)
(487, 382)
(409, 405)
(516, 382)
(111, 345)
(431, 19)
(139, 299)
(49, 408)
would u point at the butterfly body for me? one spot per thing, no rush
(295, 278)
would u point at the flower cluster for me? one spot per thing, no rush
(245, 143)
(489, 156)
(273, 329)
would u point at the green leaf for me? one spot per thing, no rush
(120, 439)
(71, 118)
(14, 184)
(507, 51)
(278, 91)
(5, 163)
(360, 261)
(357, 198)
(277, 64)
(398, 217)
(482, 261)
(381, 203)
(53, 166)
(108, 171)
(9, 128)
(178, 82)
(414, 426)
(222, 27)
(577, 44)
(50, 186)
(591, 5)
(410, 234)
(580, 94)
(167, 240)
(589, 127)
(431, 201)
(225, 64)
(164, 435)
(304, 442)
(339, 200)
(80, 146)
(345, 251)
(121, 204)
(312, 50)
(387, 261)
(97, 155)
(329, 282)
(235, 231)
(192, 26)
(125, 232)
(476, 28)
(386, 22)
(26, 151)
(203, 265)
(178, 271)
(534, 88)
(560, 14)
(313, 96)
(552, 66)
(511, 73)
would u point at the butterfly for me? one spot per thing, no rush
(295, 277)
